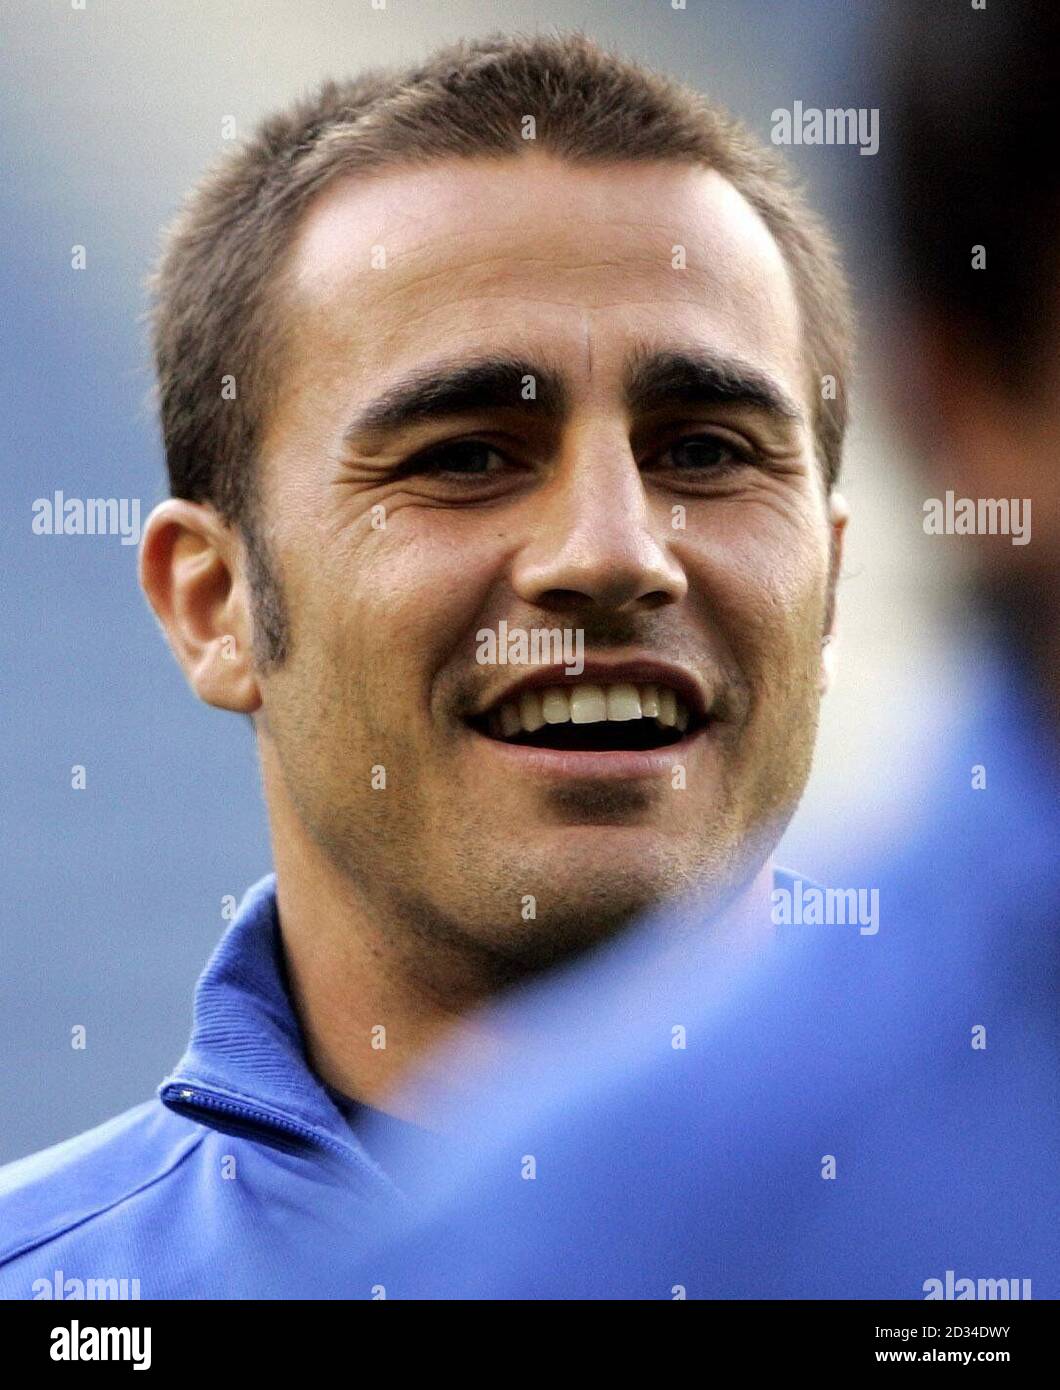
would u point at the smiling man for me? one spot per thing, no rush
(526, 336)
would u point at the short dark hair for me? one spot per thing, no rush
(223, 256)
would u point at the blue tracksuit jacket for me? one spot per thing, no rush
(232, 1183)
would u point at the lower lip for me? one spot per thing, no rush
(621, 764)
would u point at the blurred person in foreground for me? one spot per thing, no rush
(522, 340)
(852, 1115)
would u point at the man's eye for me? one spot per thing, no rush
(466, 458)
(708, 453)
(473, 460)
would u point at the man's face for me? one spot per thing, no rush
(680, 524)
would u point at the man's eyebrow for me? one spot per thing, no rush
(653, 381)
(657, 379)
(462, 388)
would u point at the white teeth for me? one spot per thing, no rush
(649, 701)
(667, 715)
(586, 703)
(623, 702)
(555, 706)
(530, 711)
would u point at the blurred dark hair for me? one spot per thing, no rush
(974, 100)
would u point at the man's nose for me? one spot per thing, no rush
(597, 538)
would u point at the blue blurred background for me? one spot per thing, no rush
(112, 895)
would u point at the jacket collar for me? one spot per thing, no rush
(245, 1069)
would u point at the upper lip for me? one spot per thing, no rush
(635, 671)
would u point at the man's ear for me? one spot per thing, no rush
(190, 572)
(838, 516)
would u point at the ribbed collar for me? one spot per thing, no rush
(245, 1070)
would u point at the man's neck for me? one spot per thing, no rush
(369, 1020)
(364, 1022)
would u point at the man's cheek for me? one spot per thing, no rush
(793, 593)
(780, 660)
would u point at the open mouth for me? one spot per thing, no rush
(591, 718)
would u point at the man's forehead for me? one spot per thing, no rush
(539, 189)
(468, 252)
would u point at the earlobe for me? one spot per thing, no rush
(190, 575)
(838, 515)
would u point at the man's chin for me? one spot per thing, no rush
(583, 902)
(506, 909)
